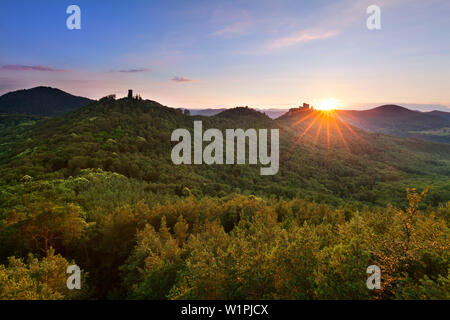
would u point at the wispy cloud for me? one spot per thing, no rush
(236, 28)
(231, 23)
(333, 20)
(181, 79)
(136, 70)
(301, 37)
(15, 67)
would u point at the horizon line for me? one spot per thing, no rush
(348, 107)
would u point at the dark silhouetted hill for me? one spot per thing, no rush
(243, 113)
(399, 121)
(441, 114)
(41, 101)
(272, 113)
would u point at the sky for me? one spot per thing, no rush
(215, 54)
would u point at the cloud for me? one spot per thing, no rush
(231, 23)
(181, 79)
(334, 20)
(14, 67)
(301, 37)
(237, 28)
(288, 31)
(137, 70)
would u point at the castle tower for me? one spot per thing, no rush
(130, 94)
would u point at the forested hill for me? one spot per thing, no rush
(41, 101)
(96, 187)
(402, 122)
(322, 158)
(441, 114)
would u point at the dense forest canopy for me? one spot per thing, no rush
(97, 187)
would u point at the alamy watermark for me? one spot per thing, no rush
(213, 153)
(74, 280)
(74, 20)
(374, 20)
(374, 280)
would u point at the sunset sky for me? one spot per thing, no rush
(211, 54)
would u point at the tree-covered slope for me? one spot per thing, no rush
(41, 101)
(402, 122)
(97, 188)
(321, 157)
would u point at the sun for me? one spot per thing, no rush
(328, 104)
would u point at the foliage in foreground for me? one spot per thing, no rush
(238, 247)
(36, 279)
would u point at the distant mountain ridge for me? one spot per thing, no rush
(272, 113)
(387, 119)
(206, 112)
(399, 121)
(442, 114)
(41, 101)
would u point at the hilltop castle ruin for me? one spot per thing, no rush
(305, 107)
(131, 97)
